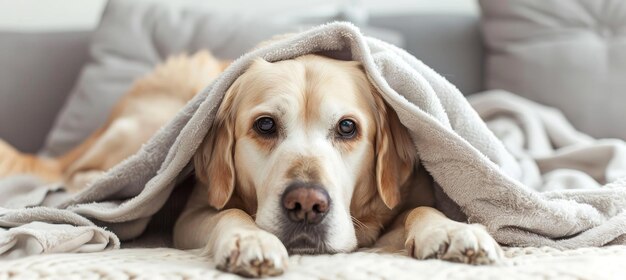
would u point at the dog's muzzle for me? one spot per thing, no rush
(305, 206)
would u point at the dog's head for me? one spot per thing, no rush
(299, 144)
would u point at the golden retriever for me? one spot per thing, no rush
(150, 103)
(305, 157)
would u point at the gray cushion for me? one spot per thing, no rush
(131, 39)
(37, 70)
(449, 43)
(563, 53)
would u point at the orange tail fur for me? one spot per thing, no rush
(13, 162)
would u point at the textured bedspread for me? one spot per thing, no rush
(163, 263)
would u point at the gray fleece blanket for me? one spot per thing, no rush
(481, 178)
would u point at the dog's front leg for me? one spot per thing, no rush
(430, 234)
(235, 242)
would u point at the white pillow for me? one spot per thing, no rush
(134, 36)
(131, 39)
(563, 53)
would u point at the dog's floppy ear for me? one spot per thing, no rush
(395, 153)
(213, 161)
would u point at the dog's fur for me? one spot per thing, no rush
(380, 194)
(150, 103)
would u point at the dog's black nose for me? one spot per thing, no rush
(306, 203)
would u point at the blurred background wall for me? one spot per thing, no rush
(42, 15)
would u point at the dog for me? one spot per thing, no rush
(305, 157)
(150, 103)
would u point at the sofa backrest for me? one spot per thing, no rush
(38, 70)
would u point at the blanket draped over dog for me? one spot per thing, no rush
(525, 174)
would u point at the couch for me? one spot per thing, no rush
(38, 82)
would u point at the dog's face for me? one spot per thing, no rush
(299, 144)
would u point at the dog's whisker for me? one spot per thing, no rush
(358, 223)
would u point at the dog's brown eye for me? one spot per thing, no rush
(346, 128)
(265, 125)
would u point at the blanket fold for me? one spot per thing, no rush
(494, 171)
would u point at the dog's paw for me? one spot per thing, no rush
(252, 254)
(456, 242)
